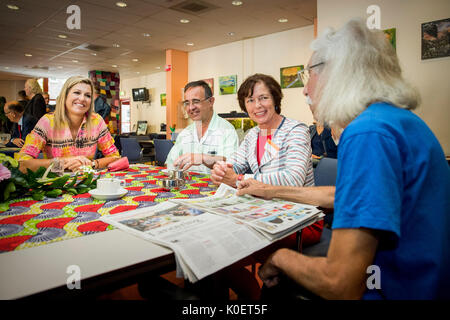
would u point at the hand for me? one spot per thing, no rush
(255, 188)
(269, 273)
(18, 142)
(188, 160)
(74, 163)
(223, 172)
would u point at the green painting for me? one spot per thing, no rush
(289, 77)
(227, 84)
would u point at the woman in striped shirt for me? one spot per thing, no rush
(71, 134)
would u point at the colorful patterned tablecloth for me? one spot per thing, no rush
(29, 223)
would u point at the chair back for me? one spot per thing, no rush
(174, 136)
(131, 149)
(325, 173)
(162, 149)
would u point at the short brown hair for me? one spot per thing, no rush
(246, 90)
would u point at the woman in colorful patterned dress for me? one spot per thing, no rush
(71, 134)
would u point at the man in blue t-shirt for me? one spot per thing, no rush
(391, 228)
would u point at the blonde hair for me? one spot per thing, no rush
(61, 117)
(35, 88)
(360, 68)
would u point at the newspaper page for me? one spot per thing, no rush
(274, 218)
(203, 242)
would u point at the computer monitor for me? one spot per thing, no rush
(140, 94)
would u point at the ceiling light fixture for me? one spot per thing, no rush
(116, 45)
(231, 34)
(184, 21)
(75, 61)
(146, 34)
(7, 68)
(93, 53)
(62, 36)
(12, 7)
(137, 72)
(135, 60)
(157, 68)
(282, 20)
(59, 67)
(28, 55)
(189, 44)
(236, 3)
(121, 4)
(114, 66)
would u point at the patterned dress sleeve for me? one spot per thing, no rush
(35, 141)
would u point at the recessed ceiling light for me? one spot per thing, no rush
(116, 45)
(189, 44)
(75, 61)
(231, 33)
(135, 60)
(137, 72)
(185, 21)
(62, 36)
(157, 68)
(121, 4)
(60, 67)
(28, 55)
(236, 3)
(12, 7)
(114, 66)
(146, 34)
(282, 20)
(93, 53)
(6, 67)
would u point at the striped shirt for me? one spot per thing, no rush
(60, 143)
(287, 161)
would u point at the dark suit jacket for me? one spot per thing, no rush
(28, 123)
(36, 106)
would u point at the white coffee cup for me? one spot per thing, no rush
(109, 185)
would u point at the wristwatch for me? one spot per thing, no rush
(239, 178)
(94, 164)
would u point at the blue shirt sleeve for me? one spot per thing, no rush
(369, 184)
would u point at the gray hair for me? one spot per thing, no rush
(360, 68)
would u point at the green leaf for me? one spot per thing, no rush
(40, 172)
(53, 193)
(71, 184)
(60, 182)
(4, 206)
(72, 191)
(37, 196)
(83, 190)
(10, 188)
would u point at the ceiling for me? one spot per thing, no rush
(37, 26)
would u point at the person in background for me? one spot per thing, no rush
(23, 98)
(322, 142)
(391, 228)
(71, 134)
(48, 107)
(100, 106)
(23, 124)
(5, 124)
(209, 139)
(36, 105)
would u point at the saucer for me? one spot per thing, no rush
(95, 193)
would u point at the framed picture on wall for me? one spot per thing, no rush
(141, 128)
(290, 78)
(227, 84)
(163, 99)
(436, 39)
(391, 36)
(210, 82)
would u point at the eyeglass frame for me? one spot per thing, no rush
(262, 99)
(305, 76)
(187, 103)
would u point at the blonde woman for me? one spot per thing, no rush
(71, 134)
(36, 105)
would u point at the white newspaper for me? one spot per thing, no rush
(203, 242)
(273, 218)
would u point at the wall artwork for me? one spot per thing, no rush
(210, 82)
(162, 96)
(227, 84)
(436, 39)
(289, 77)
(391, 36)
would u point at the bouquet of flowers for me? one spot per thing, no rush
(39, 184)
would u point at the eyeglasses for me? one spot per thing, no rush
(261, 99)
(6, 113)
(194, 102)
(305, 73)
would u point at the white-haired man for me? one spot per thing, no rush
(392, 195)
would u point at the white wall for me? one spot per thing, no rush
(266, 54)
(9, 88)
(431, 77)
(153, 112)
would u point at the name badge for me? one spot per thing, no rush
(272, 148)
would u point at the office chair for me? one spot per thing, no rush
(162, 149)
(131, 149)
(325, 173)
(174, 136)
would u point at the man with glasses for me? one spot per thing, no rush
(23, 124)
(209, 139)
